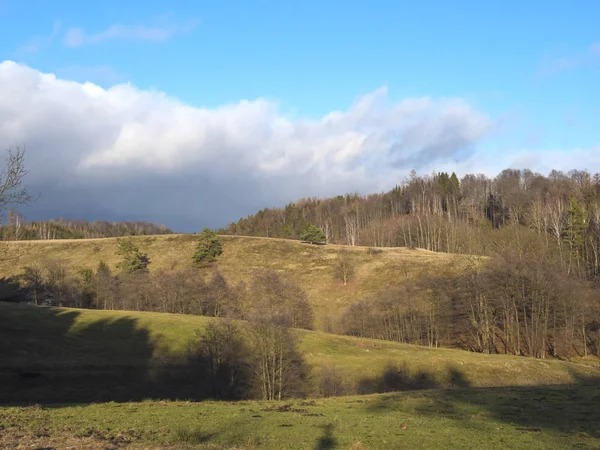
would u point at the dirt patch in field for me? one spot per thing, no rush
(285, 408)
(13, 439)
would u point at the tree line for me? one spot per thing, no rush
(441, 213)
(537, 295)
(17, 229)
(542, 233)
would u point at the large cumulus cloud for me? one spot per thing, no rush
(123, 153)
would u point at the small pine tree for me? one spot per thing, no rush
(208, 248)
(87, 281)
(103, 270)
(134, 261)
(314, 235)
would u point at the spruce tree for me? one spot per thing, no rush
(208, 248)
(454, 184)
(314, 235)
(134, 261)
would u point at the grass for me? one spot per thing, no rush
(556, 417)
(116, 365)
(309, 265)
(56, 354)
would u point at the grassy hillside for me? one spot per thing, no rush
(60, 355)
(557, 417)
(101, 355)
(309, 265)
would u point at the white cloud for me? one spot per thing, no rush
(160, 32)
(127, 153)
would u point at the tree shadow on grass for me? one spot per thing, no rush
(47, 356)
(396, 378)
(327, 441)
(566, 408)
(11, 291)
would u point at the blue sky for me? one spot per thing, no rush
(532, 68)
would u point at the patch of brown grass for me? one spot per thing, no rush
(311, 266)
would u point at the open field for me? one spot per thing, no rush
(311, 266)
(122, 355)
(112, 365)
(557, 417)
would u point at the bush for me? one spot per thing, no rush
(371, 251)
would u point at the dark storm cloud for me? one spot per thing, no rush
(126, 154)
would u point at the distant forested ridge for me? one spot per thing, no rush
(17, 229)
(443, 213)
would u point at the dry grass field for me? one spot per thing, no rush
(311, 266)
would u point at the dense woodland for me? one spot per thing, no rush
(537, 296)
(16, 229)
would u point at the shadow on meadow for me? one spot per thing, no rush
(397, 378)
(566, 408)
(11, 291)
(47, 356)
(326, 441)
(57, 360)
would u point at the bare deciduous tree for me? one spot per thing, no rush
(280, 371)
(344, 266)
(12, 191)
(227, 359)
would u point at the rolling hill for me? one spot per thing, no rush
(61, 355)
(311, 266)
(115, 350)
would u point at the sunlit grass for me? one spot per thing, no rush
(485, 418)
(309, 265)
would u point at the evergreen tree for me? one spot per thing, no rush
(314, 235)
(208, 248)
(134, 261)
(86, 280)
(103, 270)
(454, 184)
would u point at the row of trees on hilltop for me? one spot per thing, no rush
(17, 229)
(439, 212)
(13, 194)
